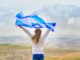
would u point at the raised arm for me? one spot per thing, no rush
(45, 34)
(26, 31)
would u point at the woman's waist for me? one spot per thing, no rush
(37, 51)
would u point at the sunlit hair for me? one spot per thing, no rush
(37, 35)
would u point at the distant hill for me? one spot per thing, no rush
(65, 41)
(13, 40)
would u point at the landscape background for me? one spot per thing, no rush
(63, 43)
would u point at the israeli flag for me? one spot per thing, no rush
(33, 21)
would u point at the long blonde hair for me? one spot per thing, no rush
(37, 35)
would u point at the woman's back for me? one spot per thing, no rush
(38, 48)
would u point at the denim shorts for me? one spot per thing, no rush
(38, 57)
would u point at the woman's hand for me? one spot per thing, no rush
(20, 26)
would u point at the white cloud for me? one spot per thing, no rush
(2, 25)
(64, 2)
(3, 5)
(71, 21)
(2, 13)
(7, 12)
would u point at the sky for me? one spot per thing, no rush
(64, 12)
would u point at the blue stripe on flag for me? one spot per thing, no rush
(39, 22)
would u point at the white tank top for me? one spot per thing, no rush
(38, 48)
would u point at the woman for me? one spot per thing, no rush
(37, 43)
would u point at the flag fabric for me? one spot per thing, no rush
(33, 21)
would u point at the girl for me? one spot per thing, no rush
(37, 42)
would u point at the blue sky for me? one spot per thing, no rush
(64, 12)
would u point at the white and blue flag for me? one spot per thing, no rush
(33, 21)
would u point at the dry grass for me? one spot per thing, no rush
(72, 56)
(17, 52)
